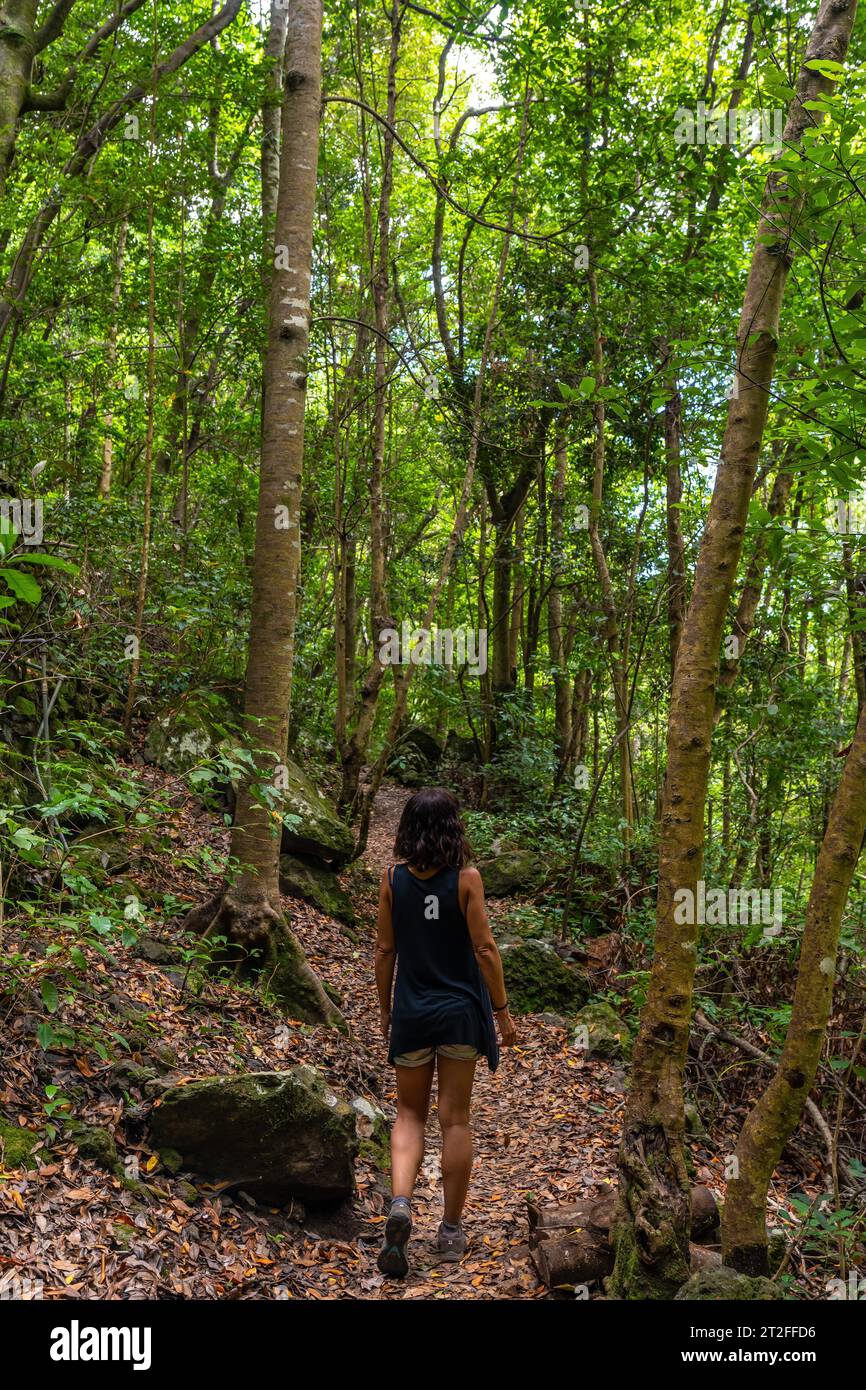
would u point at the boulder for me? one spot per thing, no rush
(278, 1135)
(188, 734)
(421, 739)
(415, 758)
(313, 883)
(94, 1143)
(514, 871)
(460, 749)
(726, 1285)
(537, 981)
(600, 1032)
(374, 1132)
(311, 823)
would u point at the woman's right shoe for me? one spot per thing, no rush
(392, 1257)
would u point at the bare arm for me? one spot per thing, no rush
(386, 954)
(486, 950)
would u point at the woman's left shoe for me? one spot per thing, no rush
(451, 1242)
(392, 1257)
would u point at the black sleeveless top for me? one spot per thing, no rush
(440, 996)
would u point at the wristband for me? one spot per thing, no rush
(502, 1008)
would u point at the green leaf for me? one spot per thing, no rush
(45, 1035)
(23, 586)
(38, 557)
(50, 997)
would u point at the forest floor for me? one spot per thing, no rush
(546, 1126)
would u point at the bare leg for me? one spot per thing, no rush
(407, 1136)
(455, 1094)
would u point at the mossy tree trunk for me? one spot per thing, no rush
(651, 1235)
(249, 915)
(775, 1115)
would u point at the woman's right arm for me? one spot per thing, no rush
(487, 952)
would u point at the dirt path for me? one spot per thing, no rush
(545, 1124)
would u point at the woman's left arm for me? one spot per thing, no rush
(386, 955)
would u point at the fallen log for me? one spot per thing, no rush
(570, 1244)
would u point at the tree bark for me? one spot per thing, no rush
(249, 914)
(17, 48)
(773, 1118)
(652, 1229)
(111, 360)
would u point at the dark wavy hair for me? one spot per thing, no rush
(431, 834)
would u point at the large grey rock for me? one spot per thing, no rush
(600, 1032)
(513, 871)
(187, 734)
(311, 881)
(416, 758)
(311, 823)
(537, 981)
(277, 1135)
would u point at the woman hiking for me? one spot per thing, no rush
(433, 925)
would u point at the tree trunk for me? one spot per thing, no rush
(355, 750)
(249, 913)
(652, 1230)
(555, 634)
(773, 1118)
(110, 361)
(674, 520)
(17, 47)
(612, 627)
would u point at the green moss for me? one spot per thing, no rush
(16, 1146)
(634, 1281)
(96, 1145)
(606, 1035)
(537, 980)
(726, 1285)
(301, 878)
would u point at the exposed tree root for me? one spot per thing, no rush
(252, 938)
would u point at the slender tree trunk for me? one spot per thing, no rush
(652, 1230)
(271, 118)
(750, 595)
(775, 1115)
(555, 634)
(674, 520)
(355, 749)
(111, 360)
(249, 913)
(612, 630)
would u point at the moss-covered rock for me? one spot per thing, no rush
(600, 1032)
(188, 733)
(374, 1132)
(16, 1147)
(96, 1144)
(537, 980)
(726, 1285)
(311, 823)
(278, 1135)
(416, 758)
(514, 871)
(313, 883)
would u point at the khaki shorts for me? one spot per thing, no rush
(460, 1052)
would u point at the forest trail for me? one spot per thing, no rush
(545, 1124)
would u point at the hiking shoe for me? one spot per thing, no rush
(392, 1257)
(451, 1244)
